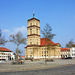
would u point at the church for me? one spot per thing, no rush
(36, 45)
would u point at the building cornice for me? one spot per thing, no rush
(33, 26)
(36, 46)
(32, 46)
(33, 35)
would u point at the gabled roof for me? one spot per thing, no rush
(5, 49)
(64, 49)
(49, 42)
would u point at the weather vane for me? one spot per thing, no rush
(33, 14)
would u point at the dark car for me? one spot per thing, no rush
(68, 58)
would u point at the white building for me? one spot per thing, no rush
(72, 52)
(65, 52)
(6, 54)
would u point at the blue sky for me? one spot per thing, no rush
(59, 14)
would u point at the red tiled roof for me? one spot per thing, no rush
(49, 42)
(4, 49)
(64, 49)
(23, 56)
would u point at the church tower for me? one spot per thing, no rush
(33, 29)
(36, 46)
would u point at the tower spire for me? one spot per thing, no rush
(33, 14)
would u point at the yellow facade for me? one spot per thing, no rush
(34, 48)
(39, 52)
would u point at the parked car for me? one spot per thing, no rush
(49, 60)
(68, 58)
(17, 62)
(63, 58)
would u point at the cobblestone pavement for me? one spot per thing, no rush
(30, 65)
(66, 70)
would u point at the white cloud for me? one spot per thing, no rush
(22, 29)
(6, 30)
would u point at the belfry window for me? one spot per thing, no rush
(30, 31)
(36, 31)
(36, 24)
(30, 24)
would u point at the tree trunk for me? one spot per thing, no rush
(17, 51)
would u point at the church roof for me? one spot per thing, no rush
(49, 42)
(34, 19)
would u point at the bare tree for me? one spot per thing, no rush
(2, 39)
(47, 34)
(19, 51)
(70, 44)
(17, 39)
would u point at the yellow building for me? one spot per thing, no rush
(36, 46)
